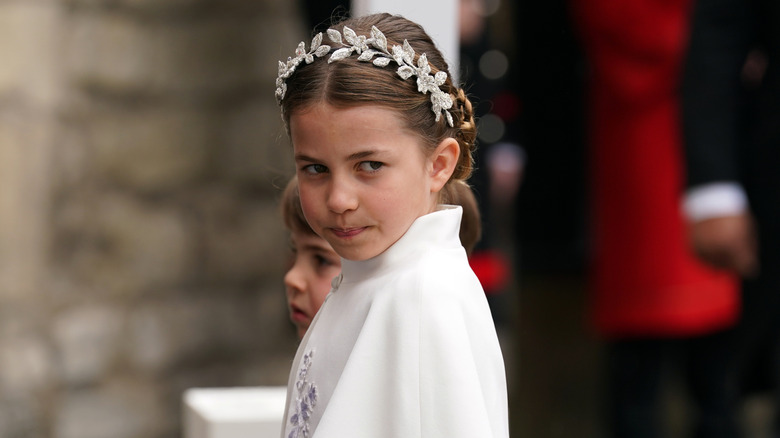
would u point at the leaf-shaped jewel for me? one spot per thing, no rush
(301, 49)
(316, 41)
(309, 58)
(408, 53)
(436, 101)
(362, 43)
(424, 67)
(380, 41)
(437, 109)
(282, 68)
(334, 36)
(322, 50)
(382, 61)
(441, 77)
(367, 55)
(447, 101)
(405, 72)
(424, 84)
(340, 54)
(350, 36)
(398, 54)
(422, 61)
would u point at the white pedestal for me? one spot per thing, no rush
(254, 412)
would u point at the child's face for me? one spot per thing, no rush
(307, 283)
(363, 179)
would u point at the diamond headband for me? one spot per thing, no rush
(373, 49)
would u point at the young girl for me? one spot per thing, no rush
(315, 264)
(404, 345)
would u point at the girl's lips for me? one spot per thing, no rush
(298, 316)
(347, 232)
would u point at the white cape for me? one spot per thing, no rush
(403, 347)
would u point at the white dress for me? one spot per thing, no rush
(404, 346)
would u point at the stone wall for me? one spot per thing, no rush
(141, 252)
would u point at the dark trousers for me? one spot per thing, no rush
(638, 369)
(717, 370)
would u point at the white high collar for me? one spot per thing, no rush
(440, 229)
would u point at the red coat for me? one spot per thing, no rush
(645, 280)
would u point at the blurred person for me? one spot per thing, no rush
(485, 67)
(499, 160)
(731, 125)
(547, 78)
(652, 300)
(315, 264)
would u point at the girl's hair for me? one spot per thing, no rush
(349, 83)
(458, 193)
(292, 213)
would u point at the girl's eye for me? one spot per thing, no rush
(322, 261)
(370, 166)
(314, 169)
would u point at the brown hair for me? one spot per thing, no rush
(292, 213)
(458, 193)
(349, 83)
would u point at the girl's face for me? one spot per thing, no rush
(307, 283)
(363, 179)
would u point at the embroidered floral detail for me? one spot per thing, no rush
(305, 400)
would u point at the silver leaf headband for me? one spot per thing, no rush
(372, 49)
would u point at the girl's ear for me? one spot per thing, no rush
(443, 162)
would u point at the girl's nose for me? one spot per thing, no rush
(341, 197)
(294, 280)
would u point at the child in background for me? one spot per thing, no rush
(315, 264)
(405, 345)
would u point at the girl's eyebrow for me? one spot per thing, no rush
(355, 156)
(300, 157)
(359, 155)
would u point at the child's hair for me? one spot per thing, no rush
(292, 213)
(349, 82)
(458, 193)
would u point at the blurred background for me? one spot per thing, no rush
(142, 156)
(141, 250)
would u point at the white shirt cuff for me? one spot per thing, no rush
(713, 200)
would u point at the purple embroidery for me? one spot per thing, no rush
(304, 401)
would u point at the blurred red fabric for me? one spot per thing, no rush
(492, 270)
(645, 279)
